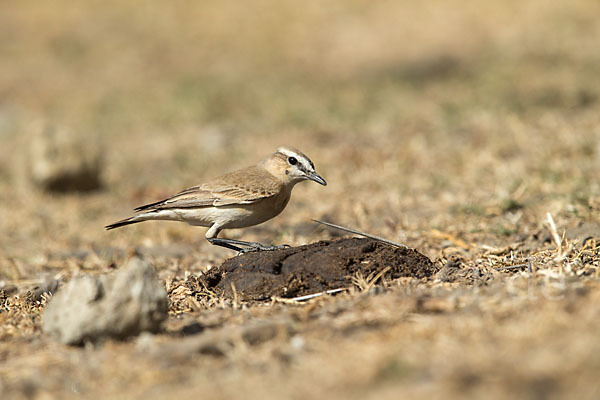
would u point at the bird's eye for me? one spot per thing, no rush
(292, 161)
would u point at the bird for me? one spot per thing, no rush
(238, 199)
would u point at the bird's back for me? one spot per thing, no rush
(248, 184)
(244, 186)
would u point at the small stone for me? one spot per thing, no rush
(298, 342)
(63, 160)
(118, 305)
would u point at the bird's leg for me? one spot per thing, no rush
(249, 246)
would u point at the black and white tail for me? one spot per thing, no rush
(123, 222)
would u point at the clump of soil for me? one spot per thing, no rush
(312, 268)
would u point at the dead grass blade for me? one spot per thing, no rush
(364, 284)
(308, 296)
(343, 228)
(561, 251)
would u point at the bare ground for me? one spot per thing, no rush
(469, 132)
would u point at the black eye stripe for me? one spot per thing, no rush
(303, 164)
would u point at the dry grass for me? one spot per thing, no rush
(469, 131)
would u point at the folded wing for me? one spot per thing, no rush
(256, 184)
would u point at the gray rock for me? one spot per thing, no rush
(62, 160)
(118, 305)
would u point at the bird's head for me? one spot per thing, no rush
(292, 166)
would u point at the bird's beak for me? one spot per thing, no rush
(313, 176)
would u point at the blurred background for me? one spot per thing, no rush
(453, 126)
(420, 115)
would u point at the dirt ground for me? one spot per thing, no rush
(468, 131)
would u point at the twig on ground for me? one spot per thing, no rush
(343, 228)
(560, 254)
(554, 231)
(308, 296)
(235, 296)
(516, 266)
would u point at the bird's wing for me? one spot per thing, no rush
(245, 186)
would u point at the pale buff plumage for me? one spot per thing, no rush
(237, 199)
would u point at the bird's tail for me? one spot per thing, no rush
(123, 222)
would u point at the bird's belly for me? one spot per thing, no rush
(226, 217)
(242, 217)
(193, 216)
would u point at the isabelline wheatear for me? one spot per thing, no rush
(239, 199)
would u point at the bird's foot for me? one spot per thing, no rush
(249, 247)
(254, 247)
